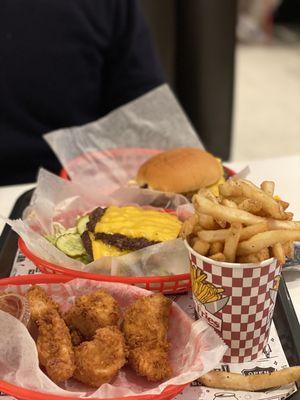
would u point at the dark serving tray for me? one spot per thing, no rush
(285, 318)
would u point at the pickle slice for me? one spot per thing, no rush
(71, 245)
(81, 224)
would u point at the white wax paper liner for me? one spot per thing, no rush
(58, 200)
(154, 120)
(195, 347)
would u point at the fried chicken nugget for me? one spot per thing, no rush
(145, 329)
(91, 312)
(99, 360)
(54, 345)
(39, 302)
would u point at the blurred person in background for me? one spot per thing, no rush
(65, 63)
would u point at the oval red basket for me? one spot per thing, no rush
(26, 394)
(165, 284)
(123, 154)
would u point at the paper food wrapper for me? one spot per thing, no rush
(56, 200)
(195, 347)
(238, 300)
(109, 151)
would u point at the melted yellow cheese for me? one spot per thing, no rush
(215, 187)
(137, 222)
(101, 249)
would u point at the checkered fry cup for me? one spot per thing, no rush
(237, 300)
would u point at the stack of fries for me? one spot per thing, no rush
(245, 224)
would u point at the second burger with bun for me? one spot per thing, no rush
(182, 170)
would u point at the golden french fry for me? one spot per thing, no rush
(263, 254)
(220, 290)
(250, 205)
(254, 258)
(231, 242)
(252, 230)
(234, 381)
(248, 259)
(249, 190)
(278, 252)
(216, 247)
(236, 199)
(288, 248)
(283, 204)
(229, 203)
(205, 206)
(275, 224)
(218, 257)
(201, 247)
(212, 236)
(221, 234)
(207, 221)
(197, 228)
(268, 187)
(188, 226)
(266, 239)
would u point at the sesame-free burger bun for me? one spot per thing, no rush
(180, 170)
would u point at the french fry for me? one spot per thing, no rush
(210, 196)
(263, 254)
(229, 203)
(254, 258)
(289, 225)
(232, 241)
(268, 187)
(188, 226)
(207, 221)
(288, 248)
(266, 239)
(216, 247)
(220, 235)
(218, 257)
(248, 189)
(251, 383)
(250, 205)
(278, 252)
(205, 206)
(283, 204)
(266, 229)
(201, 247)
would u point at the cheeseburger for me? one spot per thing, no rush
(114, 231)
(182, 170)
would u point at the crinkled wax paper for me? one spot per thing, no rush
(59, 200)
(112, 148)
(195, 347)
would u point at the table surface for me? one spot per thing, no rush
(285, 171)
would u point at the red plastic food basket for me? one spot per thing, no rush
(165, 284)
(26, 394)
(123, 154)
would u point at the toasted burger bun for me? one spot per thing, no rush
(180, 170)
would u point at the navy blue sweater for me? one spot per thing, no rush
(65, 63)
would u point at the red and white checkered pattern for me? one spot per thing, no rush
(247, 315)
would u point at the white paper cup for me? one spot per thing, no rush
(237, 300)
